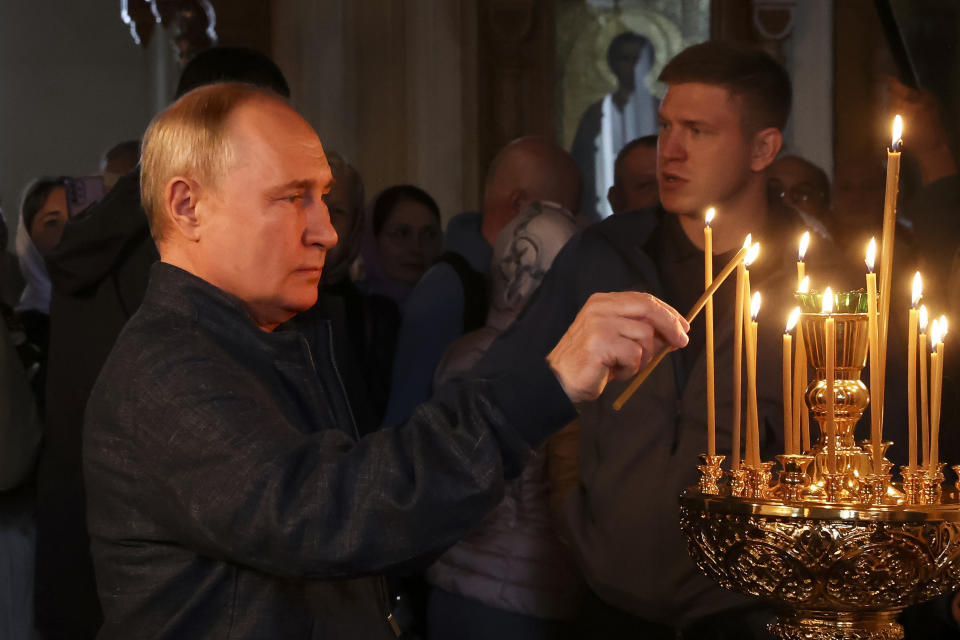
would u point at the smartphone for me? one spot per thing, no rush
(83, 192)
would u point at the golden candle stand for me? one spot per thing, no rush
(836, 545)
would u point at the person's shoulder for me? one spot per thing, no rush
(439, 287)
(621, 229)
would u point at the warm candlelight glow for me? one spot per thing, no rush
(943, 328)
(792, 320)
(752, 254)
(934, 334)
(923, 318)
(871, 254)
(804, 243)
(708, 218)
(755, 305)
(917, 289)
(804, 285)
(748, 241)
(827, 301)
(897, 132)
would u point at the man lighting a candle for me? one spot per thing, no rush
(228, 492)
(721, 125)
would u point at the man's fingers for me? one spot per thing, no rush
(666, 320)
(627, 356)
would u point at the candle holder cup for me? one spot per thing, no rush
(793, 477)
(710, 474)
(912, 483)
(757, 481)
(931, 484)
(738, 481)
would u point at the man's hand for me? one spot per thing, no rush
(613, 335)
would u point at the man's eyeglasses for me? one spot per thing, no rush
(802, 193)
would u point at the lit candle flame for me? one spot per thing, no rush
(711, 212)
(923, 318)
(804, 243)
(871, 254)
(897, 132)
(752, 254)
(943, 328)
(755, 305)
(792, 320)
(804, 285)
(827, 301)
(917, 289)
(934, 334)
(748, 241)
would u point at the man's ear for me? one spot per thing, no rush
(180, 199)
(518, 200)
(613, 197)
(765, 147)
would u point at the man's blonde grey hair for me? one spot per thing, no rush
(189, 139)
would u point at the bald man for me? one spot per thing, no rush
(229, 495)
(447, 302)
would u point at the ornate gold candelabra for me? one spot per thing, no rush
(835, 544)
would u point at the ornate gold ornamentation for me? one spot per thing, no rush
(841, 572)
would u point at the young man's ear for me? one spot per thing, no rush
(180, 204)
(766, 145)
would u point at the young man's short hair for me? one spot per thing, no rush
(752, 75)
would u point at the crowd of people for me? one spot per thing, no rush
(247, 399)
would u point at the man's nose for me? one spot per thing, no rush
(320, 230)
(670, 146)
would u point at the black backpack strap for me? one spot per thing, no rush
(475, 301)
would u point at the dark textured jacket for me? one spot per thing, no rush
(229, 497)
(623, 520)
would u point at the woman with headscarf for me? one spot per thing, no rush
(43, 214)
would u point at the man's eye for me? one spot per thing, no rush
(293, 198)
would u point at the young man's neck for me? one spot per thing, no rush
(738, 216)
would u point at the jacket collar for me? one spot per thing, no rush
(185, 294)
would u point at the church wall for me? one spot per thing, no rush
(390, 84)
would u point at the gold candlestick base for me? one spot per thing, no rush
(710, 474)
(885, 464)
(931, 484)
(873, 488)
(738, 481)
(912, 483)
(835, 487)
(757, 482)
(956, 470)
(793, 477)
